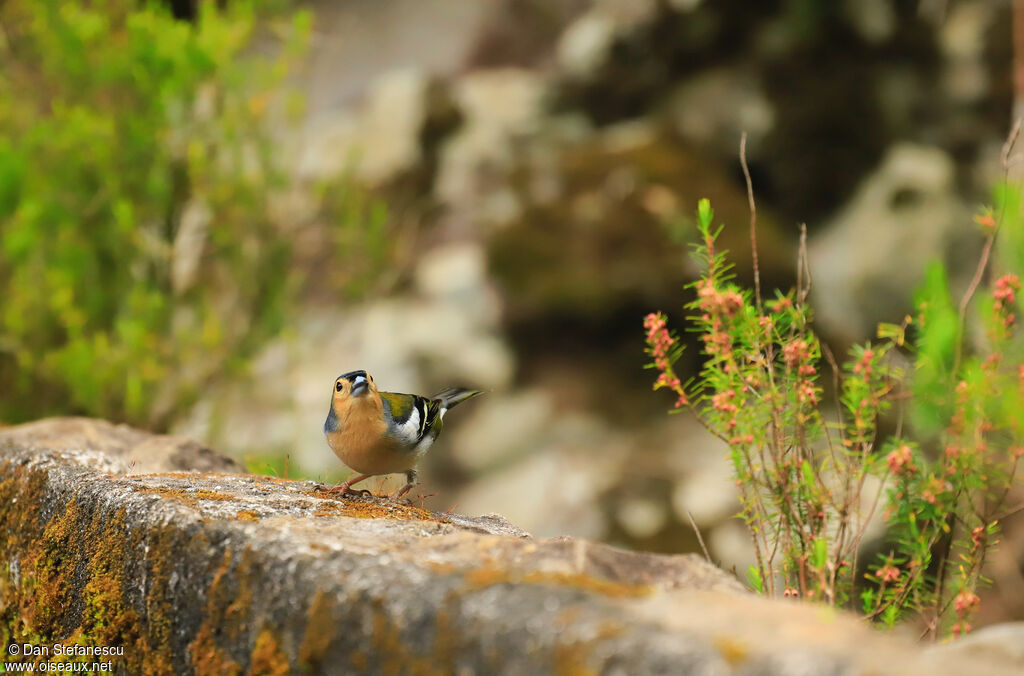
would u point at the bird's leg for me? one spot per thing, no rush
(410, 481)
(345, 487)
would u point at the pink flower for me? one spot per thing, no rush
(965, 601)
(723, 401)
(795, 352)
(1005, 288)
(901, 460)
(986, 220)
(864, 365)
(961, 627)
(887, 573)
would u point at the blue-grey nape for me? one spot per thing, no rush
(331, 424)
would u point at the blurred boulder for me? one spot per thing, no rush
(641, 517)
(378, 140)
(730, 543)
(963, 38)
(498, 107)
(501, 429)
(132, 450)
(868, 259)
(714, 108)
(585, 45)
(707, 494)
(553, 484)
(617, 233)
(874, 20)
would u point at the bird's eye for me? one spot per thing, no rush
(338, 386)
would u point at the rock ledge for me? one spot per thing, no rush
(213, 572)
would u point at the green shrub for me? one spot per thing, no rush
(137, 258)
(802, 464)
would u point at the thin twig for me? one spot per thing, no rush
(753, 218)
(1009, 512)
(1011, 141)
(965, 301)
(803, 267)
(700, 539)
(940, 577)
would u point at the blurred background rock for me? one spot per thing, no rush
(489, 193)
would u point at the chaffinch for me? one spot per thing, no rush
(384, 432)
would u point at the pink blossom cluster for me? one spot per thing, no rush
(965, 604)
(901, 460)
(934, 489)
(887, 573)
(659, 342)
(658, 339)
(714, 301)
(1004, 295)
(864, 365)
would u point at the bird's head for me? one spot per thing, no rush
(353, 388)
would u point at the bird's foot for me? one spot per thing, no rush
(343, 489)
(346, 487)
(399, 495)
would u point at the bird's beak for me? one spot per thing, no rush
(360, 386)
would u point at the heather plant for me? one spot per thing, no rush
(137, 254)
(811, 473)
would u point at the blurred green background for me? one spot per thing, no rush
(210, 210)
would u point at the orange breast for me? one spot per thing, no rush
(362, 444)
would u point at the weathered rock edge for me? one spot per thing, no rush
(232, 573)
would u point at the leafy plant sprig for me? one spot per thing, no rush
(809, 486)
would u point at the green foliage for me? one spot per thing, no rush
(936, 347)
(362, 237)
(137, 257)
(803, 480)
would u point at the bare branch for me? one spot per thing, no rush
(753, 219)
(700, 539)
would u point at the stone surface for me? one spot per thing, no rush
(233, 573)
(133, 449)
(1005, 640)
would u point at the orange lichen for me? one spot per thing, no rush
(53, 553)
(441, 568)
(734, 652)
(267, 658)
(359, 660)
(570, 658)
(319, 634)
(482, 578)
(189, 497)
(369, 509)
(108, 620)
(207, 655)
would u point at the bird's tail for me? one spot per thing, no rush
(454, 395)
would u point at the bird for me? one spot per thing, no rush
(376, 432)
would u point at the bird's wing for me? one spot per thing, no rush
(453, 396)
(412, 416)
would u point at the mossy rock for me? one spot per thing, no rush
(223, 573)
